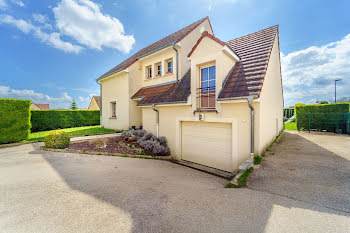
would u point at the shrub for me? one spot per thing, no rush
(133, 134)
(59, 119)
(149, 142)
(15, 120)
(329, 117)
(57, 140)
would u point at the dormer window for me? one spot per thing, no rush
(170, 66)
(148, 72)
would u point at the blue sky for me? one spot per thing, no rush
(52, 51)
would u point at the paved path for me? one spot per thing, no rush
(94, 136)
(42, 191)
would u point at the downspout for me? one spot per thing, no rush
(177, 62)
(100, 103)
(250, 104)
(157, 119)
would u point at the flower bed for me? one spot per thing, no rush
(112, 145)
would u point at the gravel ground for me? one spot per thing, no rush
(314, 168)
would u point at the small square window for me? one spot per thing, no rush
(170, 67)
(159, 70)
(148, 73)
(113, 109)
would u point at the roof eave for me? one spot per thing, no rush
(115, 72)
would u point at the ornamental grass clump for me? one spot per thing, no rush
(147, 141)
(57, 140)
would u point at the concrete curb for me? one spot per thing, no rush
(16, 144)
(29, 142)
(167, 158)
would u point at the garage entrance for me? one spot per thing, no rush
(208, 143)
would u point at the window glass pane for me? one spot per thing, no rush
(211, 72)
(212, 83)
(170, 66)
(204, 86)
(204, 74)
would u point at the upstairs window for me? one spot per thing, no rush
(159, 69)
(113, 109)
(148, 72)
(207, 90)
(170, 67)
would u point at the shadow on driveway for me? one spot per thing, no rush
(165, 197)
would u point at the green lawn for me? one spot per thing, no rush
(77, 131)
(291, 126)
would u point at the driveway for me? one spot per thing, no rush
(43, 191)
(314, 168)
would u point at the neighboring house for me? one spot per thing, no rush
(95, 103)
(35, 106)
(201, 94)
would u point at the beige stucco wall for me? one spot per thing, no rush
(135, 84)
(93, 105)
(159, 57)
(209, 52)
(271, 98)
(170, 115)
(187, 44)
(115, 88)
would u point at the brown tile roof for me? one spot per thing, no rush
(98, 100)
(167, 93)
(173, 38)
(247, 76)
(43, 106)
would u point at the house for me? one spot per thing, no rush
(95, 103)
(217, 103)
(35, 106)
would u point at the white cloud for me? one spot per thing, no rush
(55, 102)
(84, 99)
(3, 5)
(52, 39)
(84, 21)
(18, 2)
(43, 20)
(309, 74)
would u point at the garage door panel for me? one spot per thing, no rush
(208, 144)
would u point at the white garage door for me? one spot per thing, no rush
(208, 144)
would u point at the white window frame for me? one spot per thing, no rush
(148, 72)
(159, 69)
(168, 67)
(113, 111)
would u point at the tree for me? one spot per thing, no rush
(73, 105)
(324, 102)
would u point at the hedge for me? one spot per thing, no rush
(14, 120)
(329, 117)
(59, 119)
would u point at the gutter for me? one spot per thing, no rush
(157, 119)
(161, 103)
(177, 62)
